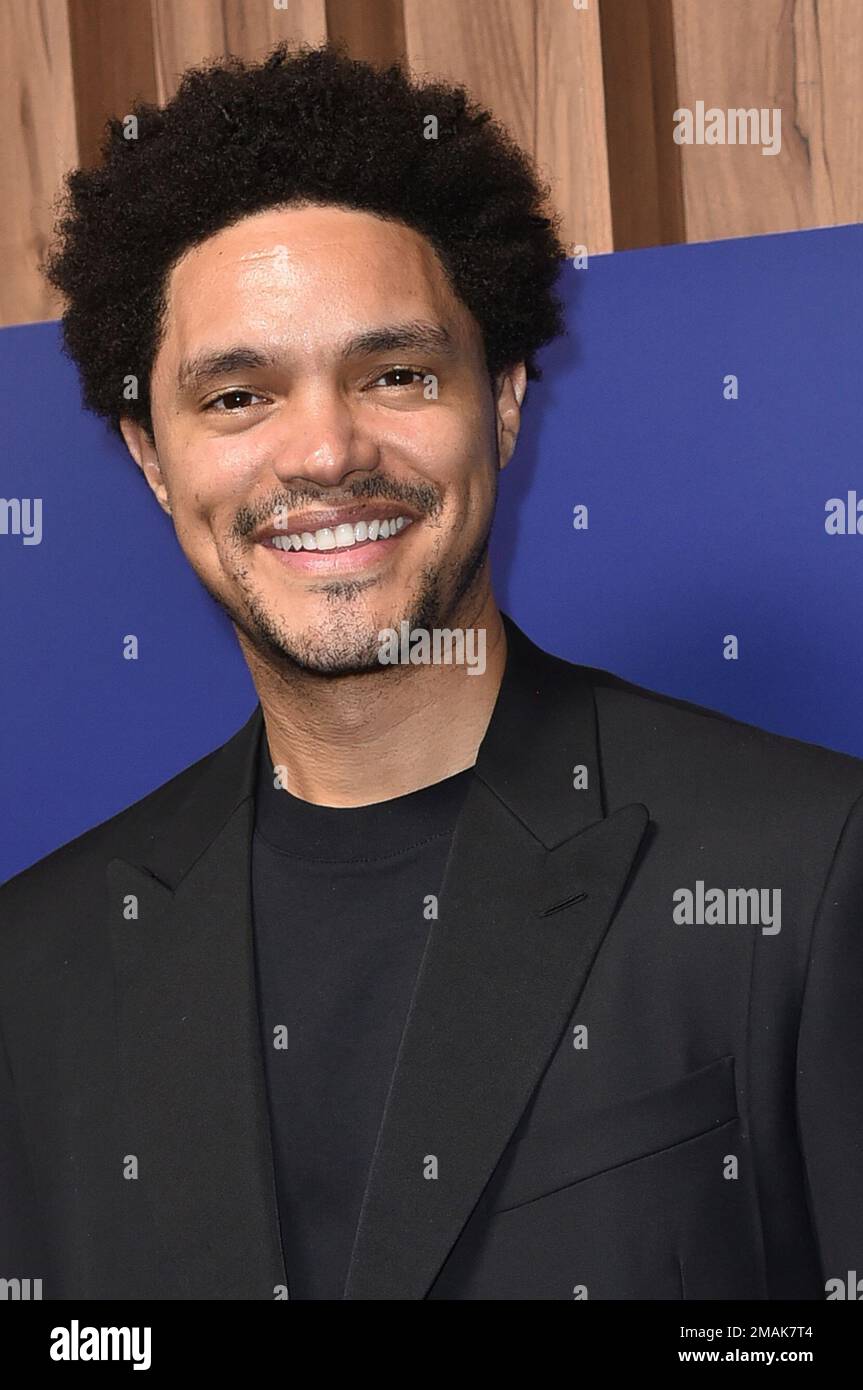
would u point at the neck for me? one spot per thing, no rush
(355, 740)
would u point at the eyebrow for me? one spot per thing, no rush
(416, 335)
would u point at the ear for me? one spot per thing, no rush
(142, 447)
(511, 388)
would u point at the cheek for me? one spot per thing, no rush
(210, 483)
(459, 454)
(474, 485)
(193, 514)
(201, 518)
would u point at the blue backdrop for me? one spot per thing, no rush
(706, 517)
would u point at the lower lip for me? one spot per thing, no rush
(361, 556)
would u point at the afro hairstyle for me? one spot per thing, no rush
(305, 126)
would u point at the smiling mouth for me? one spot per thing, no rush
(345, 536)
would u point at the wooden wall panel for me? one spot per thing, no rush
(187, 32)
(37, 116)
(570, 133)
(644, 165)
(373, 30)
(590, 93)
(829, 86)
(489, 45)
(804, 57)
(112, 65)
(537, 65)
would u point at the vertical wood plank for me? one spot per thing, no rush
(373, 30)
(37, 114)
(828, 86)
(488, 45)
(645, 168)
(570, 135)
(112, 63)
(187, 33)
(806, 58)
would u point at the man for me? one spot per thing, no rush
(499, 978)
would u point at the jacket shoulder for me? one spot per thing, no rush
(635, 716)
(127, 834)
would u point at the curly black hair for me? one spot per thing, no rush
(310, 125)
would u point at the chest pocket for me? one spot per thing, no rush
(554, 1153)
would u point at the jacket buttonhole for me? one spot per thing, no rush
(567, 902)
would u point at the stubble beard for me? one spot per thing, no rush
(346, 644)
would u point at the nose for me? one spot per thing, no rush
(321, 441)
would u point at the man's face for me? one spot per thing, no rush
(317, 375)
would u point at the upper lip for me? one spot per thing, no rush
(336, 516)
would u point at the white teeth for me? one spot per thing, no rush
(343, 536)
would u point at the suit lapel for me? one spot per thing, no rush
(194, 1102)
(533, 878)
(534, 875)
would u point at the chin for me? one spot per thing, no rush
(349, 647)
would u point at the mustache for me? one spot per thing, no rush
(423, 497)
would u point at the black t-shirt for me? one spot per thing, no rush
(341, 918)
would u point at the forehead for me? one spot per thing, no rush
(305, 276)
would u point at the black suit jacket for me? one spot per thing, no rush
(706, 1142)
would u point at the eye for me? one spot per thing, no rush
(402, 372)
(229, 402)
